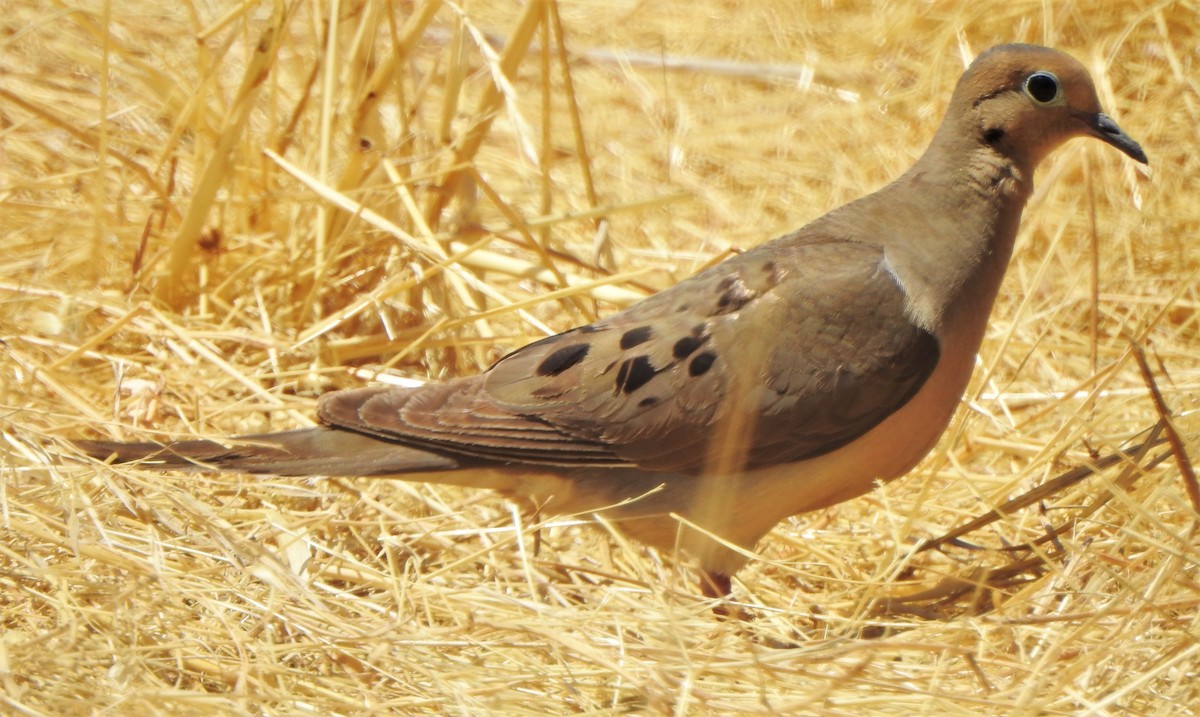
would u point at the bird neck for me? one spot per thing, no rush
(947, 227)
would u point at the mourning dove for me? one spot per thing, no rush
(785, 379)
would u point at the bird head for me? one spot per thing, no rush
(1023, 101)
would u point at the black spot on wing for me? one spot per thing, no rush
(734, 294)
(687, 346)
(532, 346)
(634, 373)
(701, 363)
(562, 359)
(633, 337)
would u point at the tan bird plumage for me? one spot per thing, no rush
(785, 379)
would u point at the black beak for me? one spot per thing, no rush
(1103, 128)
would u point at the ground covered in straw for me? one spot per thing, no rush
(210, 214)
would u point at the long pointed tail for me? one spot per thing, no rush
(305, 452)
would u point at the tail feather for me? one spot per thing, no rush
(304, 452)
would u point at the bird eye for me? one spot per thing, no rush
(1042, 87)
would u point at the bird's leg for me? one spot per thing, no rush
(715, 585)
(537, 533)
(718, 586)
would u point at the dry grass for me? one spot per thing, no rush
(209, 215)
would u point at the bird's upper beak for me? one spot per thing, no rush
(1102, 127)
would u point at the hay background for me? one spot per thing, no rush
(128, 592)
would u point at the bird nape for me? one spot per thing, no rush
(785, 379)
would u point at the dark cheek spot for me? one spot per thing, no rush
(562, 359)
(633, 374)
(633, 337)
(993, 135)
(701, 363)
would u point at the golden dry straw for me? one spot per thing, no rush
(209, 215)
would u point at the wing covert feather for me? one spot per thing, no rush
(801, 346)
